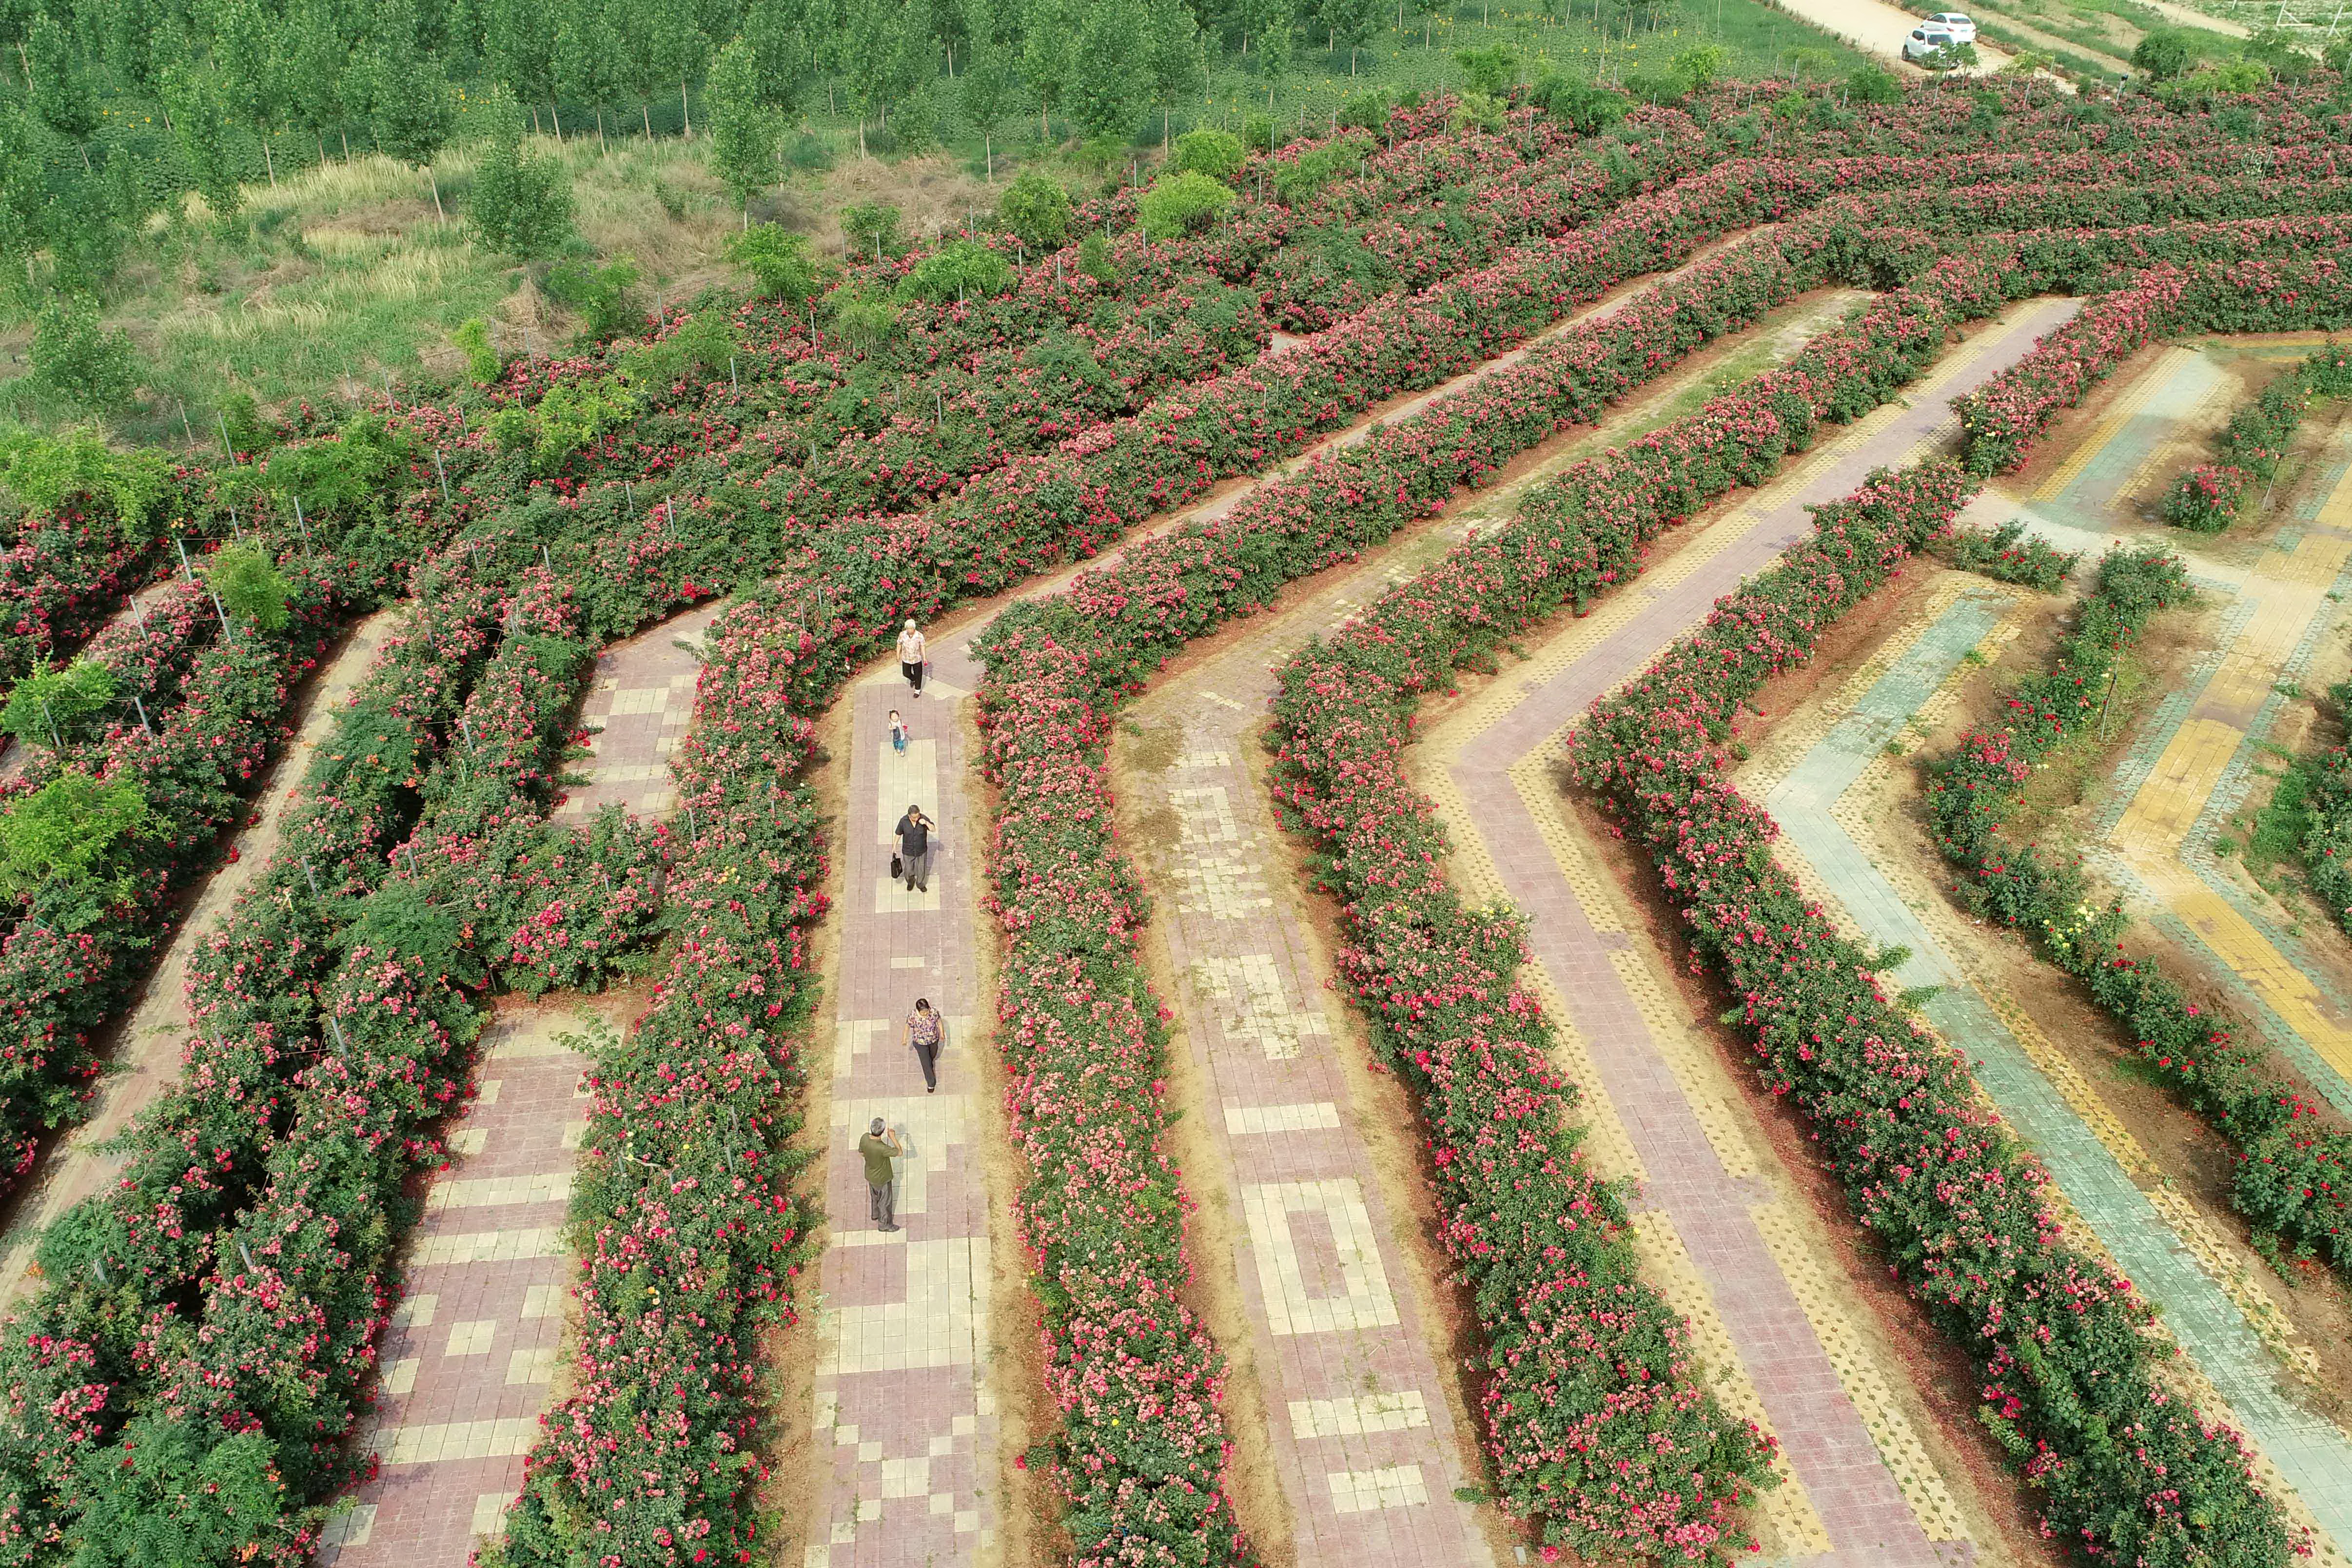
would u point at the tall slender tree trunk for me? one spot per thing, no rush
(600, 128)
(556, 112)
(988, 151)
(438, 216)
(684, 111)
(345, 137)
(647, 110)
(268, 163)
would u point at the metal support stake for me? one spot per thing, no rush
(467, 730)
(312, 875)
(142, 715)
(302, 524)
(731, 381)
(235, 532)
(341, 1043)
(244, 1252)
(227, 450)
(183, 557)
(629, 494)
(55, 740)
(543, 560)
(218, 609)
(439, 469)
(412, 859)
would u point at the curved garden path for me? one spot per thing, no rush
(146, 1056)
(1827, 805)
(909, 1472)
(472, 1356)
(1863, 1491)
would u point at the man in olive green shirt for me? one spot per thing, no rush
(880, 1147)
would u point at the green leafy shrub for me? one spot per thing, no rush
(62, 843)
(1493, 70)
(250, 587)
(1580, 106)
(604, 296)
(871, 229)
(53, 705)
(962, 270)
(483, 365)
(1219, 155)
(1181, 204)
(779, 260)
(1035, 208)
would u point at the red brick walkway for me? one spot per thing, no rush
(475, 1347)
(1826, 1444)
(903, 1325)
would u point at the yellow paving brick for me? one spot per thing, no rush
(1786, 1512)
(1829, 1308)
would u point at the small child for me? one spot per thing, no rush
(897, 732)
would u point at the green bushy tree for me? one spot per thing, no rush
(743, 130)
(521, 203)
(80, 359)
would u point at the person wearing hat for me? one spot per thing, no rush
(910, 655)
(880, 1147)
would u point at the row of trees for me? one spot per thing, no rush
(119, 107)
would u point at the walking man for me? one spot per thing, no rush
(880, 1147)
(926, 1032)
(915, 849)
(910, 655)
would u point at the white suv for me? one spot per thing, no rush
(1930, 46)
(1962, 29)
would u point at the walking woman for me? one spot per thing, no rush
(910, 655)
(926, 1032)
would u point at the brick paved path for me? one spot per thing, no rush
(1362, 1431)
(902, 1318)
(474, 1347)
(1859, 1504)
(2084, 1148)
(147, 1056)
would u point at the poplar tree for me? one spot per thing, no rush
(743, 130)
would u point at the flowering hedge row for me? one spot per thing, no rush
(194, 776)
(189, 1180)
(1598, 1422)
(2009, 554)
(2253, 440)
(2327, 847)
(2294, 1177)
(2122, 1470)
(2000, 419)
(1141, 1449)
(683, 1196)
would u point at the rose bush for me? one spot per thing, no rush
(2122, 1469)
(2293, 1175)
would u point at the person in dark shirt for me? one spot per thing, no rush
(915, 832)
(879, 1148)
